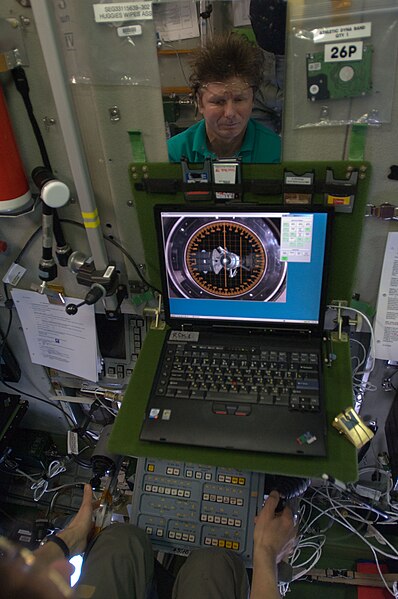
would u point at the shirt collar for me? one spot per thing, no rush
(199, 141)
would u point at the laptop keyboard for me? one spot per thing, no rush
(240, 375)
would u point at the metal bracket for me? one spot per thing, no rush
(340, 305)
(385, 211)
(155, 314)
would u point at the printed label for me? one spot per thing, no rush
(298, 180)
(125, 11)
(330, 34)
(343, 52)
(131, 30)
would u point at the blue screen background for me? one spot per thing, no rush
(303, 292)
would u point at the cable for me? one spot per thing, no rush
(358, 383)
(57, 493)
(394, 591)
(27, 244)
(373, 345)
(103, 405)
(40, 399)
(121, 248)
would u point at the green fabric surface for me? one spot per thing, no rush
(341, 461)
(347, 227)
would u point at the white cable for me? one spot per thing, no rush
(343, 522)
(394, 591)
(103, 404)
(40, 487)
(372, 339)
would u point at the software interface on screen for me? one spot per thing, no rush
(250, 266)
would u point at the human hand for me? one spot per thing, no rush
(274, 534)
(77, 532)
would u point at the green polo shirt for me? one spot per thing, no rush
(260, 145)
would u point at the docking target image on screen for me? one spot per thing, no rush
(244, 266)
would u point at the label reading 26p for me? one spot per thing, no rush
(343, 52)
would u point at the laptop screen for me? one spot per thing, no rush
(244, 266)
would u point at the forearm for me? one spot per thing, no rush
(50, 552)
(264, 581)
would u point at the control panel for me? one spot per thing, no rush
(184, 506)
(120, 342)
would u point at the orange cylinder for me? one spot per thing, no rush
(14, 187)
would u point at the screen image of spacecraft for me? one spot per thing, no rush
(225, 257)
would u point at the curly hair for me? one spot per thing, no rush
(227, 56)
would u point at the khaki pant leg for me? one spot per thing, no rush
(119, 565)
(212, 574)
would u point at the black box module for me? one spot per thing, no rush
(391, 432)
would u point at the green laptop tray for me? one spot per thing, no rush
(148, 181)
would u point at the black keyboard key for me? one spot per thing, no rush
(266, 399)
(238, 397)
(308, 384)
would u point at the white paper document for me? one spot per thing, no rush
(176, 20)
(386, 327)
(54, 338)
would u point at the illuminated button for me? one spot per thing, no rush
(226, 499)
(151, 467)
(234, 480)
(172, 534)
(238, 523)
(228, 479)
(221, 478)
(167, 491)
(217, 519)
(228, 544)
(191, 538)
(207, 541)
(198, 474)
(174, 491)
(224, 520)
(219, 498)
(185, 536)
(189, 473)
(207, 476)
(239, 502)
(155, 488)
(159, 532)
(210, 518)
(221, 543)
(176, 471)
(178, 536)
(203, 517)
(214, 542)
(148, 487)
(149, 530)
(242, 480)
(235, 546)
(169, 470)
(180, 493)
(231, 521)
(206, 497)
(233, 501)
(187, 493)
(213, 497)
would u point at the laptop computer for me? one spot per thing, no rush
(244, 297)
